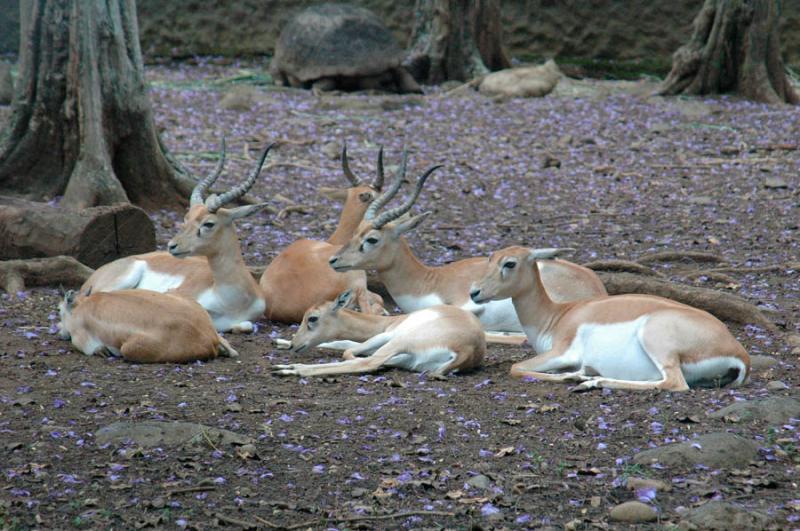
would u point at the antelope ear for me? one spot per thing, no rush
(342, 301)
(69, 298)
(547, 253)
(337, 194)
(247, 210)
(406, 225)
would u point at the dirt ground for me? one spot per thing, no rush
(636, 174)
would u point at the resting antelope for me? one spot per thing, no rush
(623, 342)
(300, 277)
(142, 326)
(438, 340)
(378, 244)
(204, 261)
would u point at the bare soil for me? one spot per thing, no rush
(636, 174)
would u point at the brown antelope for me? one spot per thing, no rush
(378, 244)
(204, 261)
(300, 277)
(622, 342)
(437, 340)
(141, 326)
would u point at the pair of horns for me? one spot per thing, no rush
(378, 184)
(385, 197)
(214, 202)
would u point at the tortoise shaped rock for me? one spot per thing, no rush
(339, 47)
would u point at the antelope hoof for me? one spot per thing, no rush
(245, 327)
(227, 351)
(587, 385)
(103, 352)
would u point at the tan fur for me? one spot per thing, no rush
(403, 274)
(674, 333)
(144, 326)
(522, 82)
(300, 277)
(384, 337)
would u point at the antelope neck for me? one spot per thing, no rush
(351, 216)
(227, 264)
(359, 326)
(406, 274)
(536, 311)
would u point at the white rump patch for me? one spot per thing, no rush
(709, 370)
(432, 360)
(154, 280)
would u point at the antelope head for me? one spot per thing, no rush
(510, 272)
(359, 194)
(208, 226)
(377, 238)
(320, 323)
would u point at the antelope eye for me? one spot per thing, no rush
(372, 240)
(208, 224)
(313, 318)
(509, 265)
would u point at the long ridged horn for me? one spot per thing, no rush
(197, 194)
(390, 192)
(378, 184)
(215, 202)
(346, 167)
(394, 213)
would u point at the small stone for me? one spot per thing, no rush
(716, 450)
(644, 483)
(480, 482)
(550, 162)
(775, 182)
(332, 150)
(358, 492)
(793, 340)
(777, 385)
(239, 99)
(233, 407)
(774, 410)
(702, 200)
(758, 362)
(724, 516)
(633, 512)
(158, 503)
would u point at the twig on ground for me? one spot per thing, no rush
(188, 490)
(391, 516)
(677, 256)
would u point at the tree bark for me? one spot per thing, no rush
(455, 39)
(735, 47)
(94, 236)
(82, 124)
(16, 275)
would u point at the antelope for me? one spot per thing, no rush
(378, 244)
(204, 260)
(141, 326)
(437, 340)
(619, 342)
(300, 277)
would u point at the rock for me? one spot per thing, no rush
(777, 385)
(633, 512)
(480, 482)
(775, 410)
(775, 182)
(331, 150)
(643, 483)
(550, 162)
(759, 362)
(152, 433)
(793, 340)
(241, 98)
(702, 200)
(522, 82)
(715, 450)
(6, 84)
(725, 516)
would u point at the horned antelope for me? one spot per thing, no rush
(300, 277)
(141, 326)
(378, 244)
(437, 340)
(623, 342)
(204, 261)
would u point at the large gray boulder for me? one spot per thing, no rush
(339, 46)
(774, 410)
(715, 450)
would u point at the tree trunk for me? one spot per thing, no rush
(735, 47)
(93, 235)
(455, 39)
(16, 275)
(82, 125)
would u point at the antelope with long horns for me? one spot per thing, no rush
(436, 340)
(141, 326)
(378, 244)
(621, 342)
(300, 277)
(204, 260)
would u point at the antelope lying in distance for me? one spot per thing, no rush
(300, 277)
(378, 244)
(204, 261)
(437, 340)
(622, 342)
(141, 326)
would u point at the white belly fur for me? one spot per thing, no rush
(412, 303)
(221, 305)
(426, 361)
(496, 315)
(614, 351)
(155, 280)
